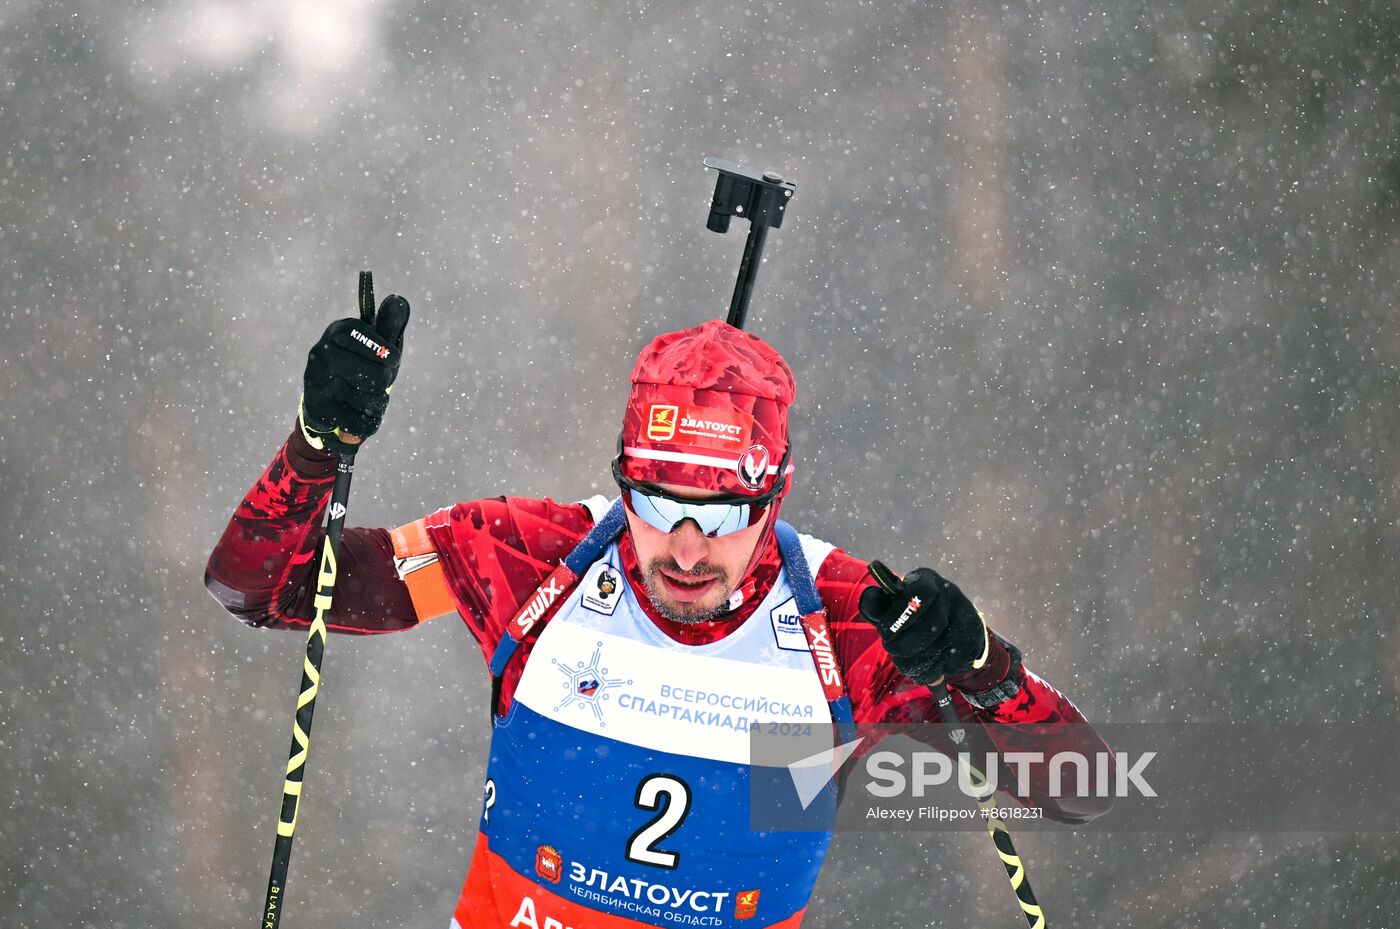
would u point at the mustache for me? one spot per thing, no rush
(698, 571)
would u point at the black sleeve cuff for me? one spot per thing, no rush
(996, 681)
(309, 462)
(992, 673)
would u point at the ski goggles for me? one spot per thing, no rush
(715, 516)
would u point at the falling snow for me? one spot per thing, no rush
(1092, 306)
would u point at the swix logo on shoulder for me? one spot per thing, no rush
(542, 600)
(661, 422)
(820, 636)
(380, 351)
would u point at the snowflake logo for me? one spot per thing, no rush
(587, 684)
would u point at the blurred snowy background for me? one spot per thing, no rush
(1092, 306)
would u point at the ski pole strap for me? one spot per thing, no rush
(814, 624)
(552, 592)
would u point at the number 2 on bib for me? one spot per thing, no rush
(671, 796)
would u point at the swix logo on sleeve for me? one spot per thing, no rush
(909, 611)
(661, 422)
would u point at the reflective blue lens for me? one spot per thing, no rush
(665, 513)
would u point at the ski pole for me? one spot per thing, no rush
(986, 799)
(311, 668)
(762, 200)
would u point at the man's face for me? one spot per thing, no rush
(688, 575)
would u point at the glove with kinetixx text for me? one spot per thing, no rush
(929, 627)
(349, 372)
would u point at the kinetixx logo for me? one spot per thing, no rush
(909, 611)
(380, 351)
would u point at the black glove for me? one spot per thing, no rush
(350, 370)
(930, 629)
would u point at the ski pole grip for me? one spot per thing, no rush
(345, 443)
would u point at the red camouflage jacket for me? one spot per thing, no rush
(482, 559)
